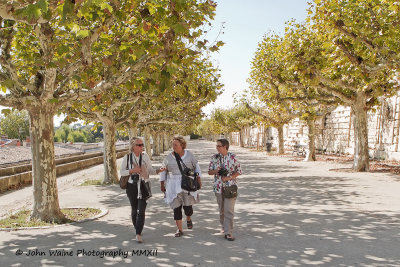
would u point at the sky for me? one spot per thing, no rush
(246, 22)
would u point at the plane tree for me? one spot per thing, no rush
(277, 84)
(53, 52)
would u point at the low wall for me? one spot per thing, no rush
(63, 166)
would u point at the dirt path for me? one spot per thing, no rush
(288, 213)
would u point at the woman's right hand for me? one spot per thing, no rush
(213, 172)
(135, 170)
(162, 187)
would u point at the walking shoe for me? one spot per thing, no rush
(190, 224)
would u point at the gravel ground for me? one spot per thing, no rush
(19, 153)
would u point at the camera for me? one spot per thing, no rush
(223, 172)
(135, 177)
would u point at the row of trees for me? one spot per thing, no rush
(86, 134)
(131, 63)
(346, 53)
(15, 125)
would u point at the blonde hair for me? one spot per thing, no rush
(181, 140)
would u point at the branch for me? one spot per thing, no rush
(339, 26)
(11, 101)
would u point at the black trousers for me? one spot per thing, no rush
(178, 212)
(138, 207)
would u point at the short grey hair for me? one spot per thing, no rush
(133, 141)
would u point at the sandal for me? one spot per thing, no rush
(190, 224)
(229, 237)
(178, 233)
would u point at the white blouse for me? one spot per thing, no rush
(173, 176)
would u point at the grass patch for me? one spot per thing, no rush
(92, 182)
(21, 218)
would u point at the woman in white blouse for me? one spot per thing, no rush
(139, 167)
(176, 197)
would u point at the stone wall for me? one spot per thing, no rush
(335, 131)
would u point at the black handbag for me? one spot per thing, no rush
(145, 189)
(123, 180)
(229, 191)
(189, 177)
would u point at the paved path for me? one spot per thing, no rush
(288, 213)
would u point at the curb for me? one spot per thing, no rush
(103, 212)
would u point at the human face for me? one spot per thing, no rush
(138, 147)
(221, 149)
(177, 147)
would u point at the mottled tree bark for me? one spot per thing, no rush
(109, 155)
(281, 149)
(133, 132)
(45, 193)
(147, 142)
(361, 154)
(311, 140)
(156, 144)
(241, 137)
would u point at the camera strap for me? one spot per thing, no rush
(178, 161)
(140, 161)
(220, 161)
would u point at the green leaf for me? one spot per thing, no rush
(179, 28)
(43, 5)
(8, 83)
(53, 101)
(83, 33)
(67, 8)
(214, 48)
(6, 111)
(106, 6)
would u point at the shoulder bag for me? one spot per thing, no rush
(228, 191)
(189, 179)
(123, 180)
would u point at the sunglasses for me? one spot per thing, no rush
(219, 146)
(139, 145)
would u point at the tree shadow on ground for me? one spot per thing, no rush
(280, 220)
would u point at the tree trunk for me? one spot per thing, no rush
(281, 141)
(311, 140)
(156, 144)
(109, 154)
(147, 143)
(45, 193)
(264, 138)
(166, 142)
(133, 132)
(361, 155)
(241, 137)
(229, 135)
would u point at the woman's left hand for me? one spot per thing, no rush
(199, 181)
(226, 178)
(162, 169)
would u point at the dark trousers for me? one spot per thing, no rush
(138, 207)
(178, 212)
